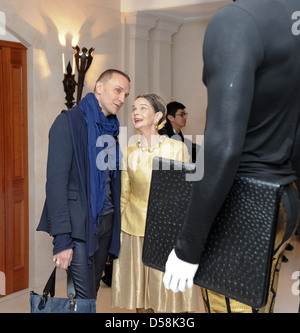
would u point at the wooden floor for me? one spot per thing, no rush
(287, 300)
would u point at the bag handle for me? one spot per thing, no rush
(70, 285)
(71, 292)
(50, 289)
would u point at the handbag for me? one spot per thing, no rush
(237, 258)
(45, 304)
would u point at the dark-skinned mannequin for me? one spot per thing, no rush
(252, 72)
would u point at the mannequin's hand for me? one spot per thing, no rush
(179, 273)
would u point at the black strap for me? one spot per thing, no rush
(50, 285)
(70, 285)
(49, 289)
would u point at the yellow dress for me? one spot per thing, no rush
(135, 285)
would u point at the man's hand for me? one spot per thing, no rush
(63, 259)
(179, 273)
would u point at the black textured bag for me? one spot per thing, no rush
(238, 254)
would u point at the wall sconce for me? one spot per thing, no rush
(82, 61)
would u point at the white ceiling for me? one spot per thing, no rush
(191, 12)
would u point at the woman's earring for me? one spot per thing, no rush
(156, 124)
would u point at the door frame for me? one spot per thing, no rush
(16, 239)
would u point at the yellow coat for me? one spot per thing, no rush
(136, 181)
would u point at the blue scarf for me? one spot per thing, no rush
(103, 149)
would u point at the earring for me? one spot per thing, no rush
(156, 124)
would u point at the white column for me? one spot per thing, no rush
(160, 76)
(136, 62)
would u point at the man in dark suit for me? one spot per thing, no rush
(176, 119)
(82, 207)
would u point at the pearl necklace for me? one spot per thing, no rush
(151, 149)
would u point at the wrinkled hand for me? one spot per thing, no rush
(63, 259)
(179, 273)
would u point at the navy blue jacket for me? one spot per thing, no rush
(67, 205)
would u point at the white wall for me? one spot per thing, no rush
(187, 65)
(163, 54)
(169, 35)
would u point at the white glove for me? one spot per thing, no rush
(179, 273)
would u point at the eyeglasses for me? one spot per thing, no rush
(182, 114)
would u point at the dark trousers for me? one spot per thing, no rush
(87, 277)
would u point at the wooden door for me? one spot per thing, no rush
(13, 166)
